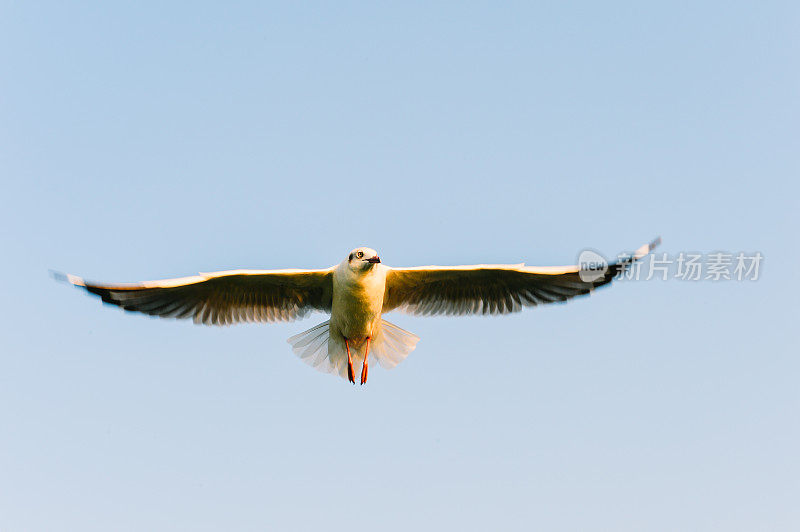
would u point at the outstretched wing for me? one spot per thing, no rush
(223, 298)
(493, 289)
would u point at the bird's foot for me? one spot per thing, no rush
(365, 367)
(350, 374)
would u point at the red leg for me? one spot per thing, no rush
(364, 367)
(350, 375)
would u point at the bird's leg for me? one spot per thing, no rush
(350, 375)
(364, 367)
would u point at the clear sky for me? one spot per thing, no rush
(148, 141)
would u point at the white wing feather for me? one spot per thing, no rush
(222, 298)
(493, 288)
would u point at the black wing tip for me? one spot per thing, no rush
(643, 251)
(625, 262)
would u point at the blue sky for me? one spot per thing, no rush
(150, 141)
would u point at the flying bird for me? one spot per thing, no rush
(356, 292)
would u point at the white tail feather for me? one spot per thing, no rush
(316, 347)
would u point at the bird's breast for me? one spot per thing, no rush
(357, 304)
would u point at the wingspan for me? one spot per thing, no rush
(492, 288)
(222, 298)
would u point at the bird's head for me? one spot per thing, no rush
(362, 259)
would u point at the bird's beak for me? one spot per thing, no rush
(374, 260)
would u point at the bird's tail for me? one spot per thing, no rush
(316, 347)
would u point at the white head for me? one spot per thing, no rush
(363, 259)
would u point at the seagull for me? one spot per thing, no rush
(356, 292)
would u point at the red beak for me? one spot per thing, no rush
(374, 260)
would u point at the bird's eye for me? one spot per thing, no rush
(360, 255)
